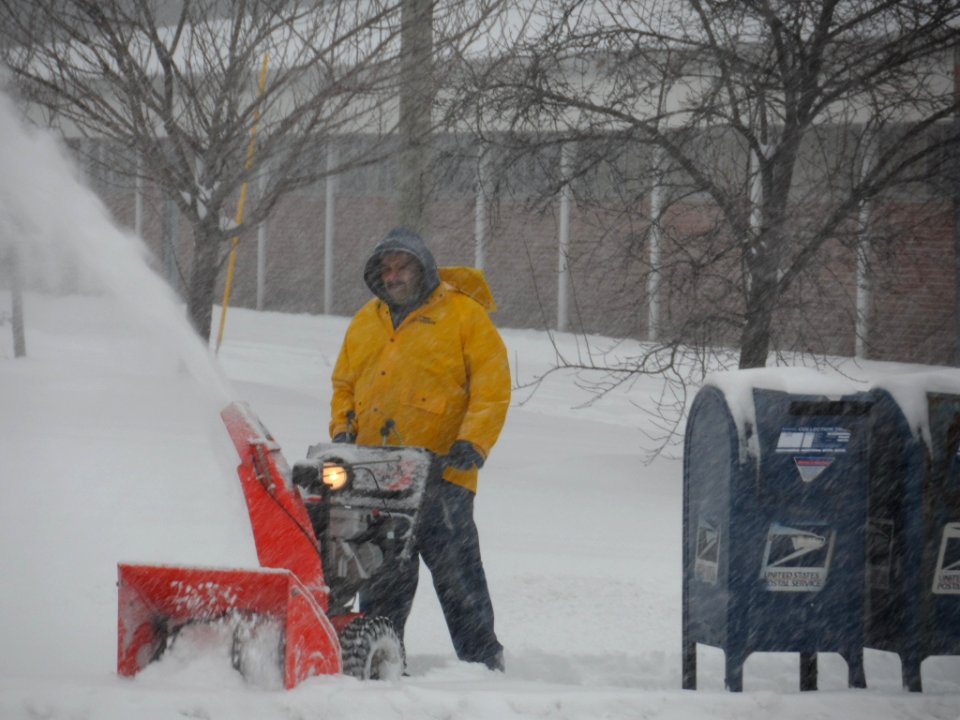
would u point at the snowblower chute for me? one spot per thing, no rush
(340, 519)
(155, 601)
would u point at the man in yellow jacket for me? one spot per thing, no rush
(422, 364)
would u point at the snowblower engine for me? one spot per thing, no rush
(363, 502)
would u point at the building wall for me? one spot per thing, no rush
(911, 314)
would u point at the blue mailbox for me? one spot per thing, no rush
(774, 517)
(913, 542)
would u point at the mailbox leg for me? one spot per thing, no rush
(688, 647)
(856, 677)
(808, 671)
(689, 665)
(910, 669)
(733, 679)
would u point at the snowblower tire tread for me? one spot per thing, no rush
(370, 649)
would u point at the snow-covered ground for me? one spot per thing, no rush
(112, 450)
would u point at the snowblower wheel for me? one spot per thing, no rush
(371, 649)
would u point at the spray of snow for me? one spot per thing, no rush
(153, 398)
(46, 208)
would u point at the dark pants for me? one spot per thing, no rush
(449, 545)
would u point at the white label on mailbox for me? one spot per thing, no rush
(810, 468)
(946, 580)
(832, 440)
(797, 559)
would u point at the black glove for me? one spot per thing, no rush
(344, 437)
(463, 456)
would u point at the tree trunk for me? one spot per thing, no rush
(416, 105)
(16, 280)
(755, 338)
(203, 279)
(763, 259)
(762, 265)
(955, 169)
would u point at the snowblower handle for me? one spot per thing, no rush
(390, 428)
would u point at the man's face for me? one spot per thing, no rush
(401, 274)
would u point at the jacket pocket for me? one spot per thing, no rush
(431, 402)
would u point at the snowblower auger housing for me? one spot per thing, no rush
(155, 601)
(322, 531)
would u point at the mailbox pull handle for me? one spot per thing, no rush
(833, 408)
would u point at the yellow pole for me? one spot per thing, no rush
(243, 200)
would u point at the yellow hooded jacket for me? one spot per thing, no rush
(442, 375)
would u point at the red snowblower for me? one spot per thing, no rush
(322, 530)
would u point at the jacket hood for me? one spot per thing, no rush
(472, 283)
(407, 241)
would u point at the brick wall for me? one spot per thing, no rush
(911, 314)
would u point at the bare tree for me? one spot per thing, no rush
(10, 262)
(783, 119)
(416, 105)
(177, 84)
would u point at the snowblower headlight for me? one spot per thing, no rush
(335, 475)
